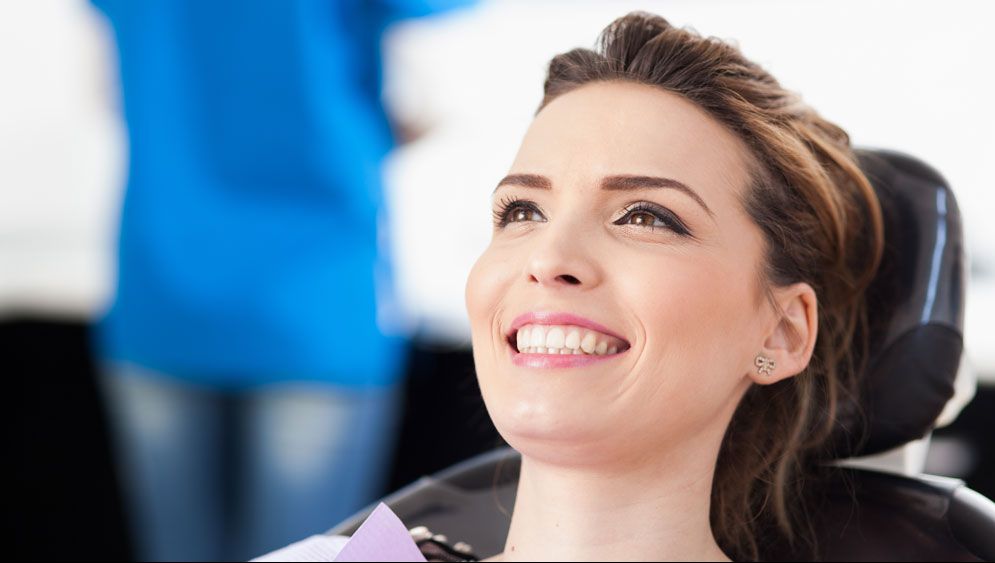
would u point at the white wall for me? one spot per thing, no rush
(62, 158)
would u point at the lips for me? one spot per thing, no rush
(563, 334)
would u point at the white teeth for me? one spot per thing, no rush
(573, 339)
(589, 342)
(538, 336)
(559, 340)
(555, 338)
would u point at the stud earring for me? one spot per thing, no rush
(765, 365)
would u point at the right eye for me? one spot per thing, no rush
(517, 211)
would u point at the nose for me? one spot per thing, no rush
(560, 258)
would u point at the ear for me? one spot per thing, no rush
(791, 340)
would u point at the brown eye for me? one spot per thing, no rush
(642, 219)
(522, 214)
(653, 217)
(517, 211)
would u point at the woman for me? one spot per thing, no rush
(663, 323)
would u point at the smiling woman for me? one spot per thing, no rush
(670, 313)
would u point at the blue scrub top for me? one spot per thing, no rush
(248, 249)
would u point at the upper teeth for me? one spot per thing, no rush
(550, 339)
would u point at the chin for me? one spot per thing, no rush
(553, 431)
(564, 453)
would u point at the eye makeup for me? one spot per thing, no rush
(512, 209)
(666, 217)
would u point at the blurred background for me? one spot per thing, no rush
(459, 83)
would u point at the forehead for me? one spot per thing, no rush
(610, 128)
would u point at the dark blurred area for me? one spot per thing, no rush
(65, 501)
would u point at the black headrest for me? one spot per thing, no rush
(916, 309)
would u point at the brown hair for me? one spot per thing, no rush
(822, 225)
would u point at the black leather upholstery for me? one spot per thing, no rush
(870, 516)
(917, 308)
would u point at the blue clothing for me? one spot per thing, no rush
(218, 476)
(248, 249)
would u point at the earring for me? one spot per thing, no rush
(765, 365)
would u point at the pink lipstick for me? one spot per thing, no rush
(554, 360)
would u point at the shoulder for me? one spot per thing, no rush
(314, 548)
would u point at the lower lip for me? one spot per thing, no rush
(550, 361)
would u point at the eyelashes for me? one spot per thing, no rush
(503, 214)
(515, 210)
(665, 216)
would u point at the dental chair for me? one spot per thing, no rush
(884, 513)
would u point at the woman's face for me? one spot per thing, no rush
(621, 246)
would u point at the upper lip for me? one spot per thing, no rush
(551, 318)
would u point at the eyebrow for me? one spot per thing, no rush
(609, 183)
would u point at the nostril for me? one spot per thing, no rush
(569, 279)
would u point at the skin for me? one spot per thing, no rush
(618, 456)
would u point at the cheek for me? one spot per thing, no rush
(487, 289)
(696, 317)
(486, 286)
(688, 298)
(693, 306)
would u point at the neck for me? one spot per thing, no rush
(654, 509)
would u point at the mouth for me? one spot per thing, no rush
(562, 334)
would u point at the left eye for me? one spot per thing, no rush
(644, 219)
(653, 218)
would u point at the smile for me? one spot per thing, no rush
(545, 340)
(565, 339)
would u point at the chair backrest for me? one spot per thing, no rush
(917, 311)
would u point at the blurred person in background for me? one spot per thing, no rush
(253, 393)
